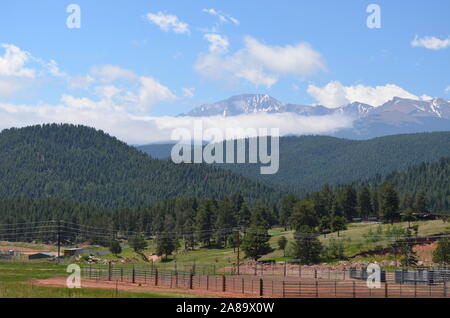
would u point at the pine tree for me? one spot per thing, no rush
(408, 216)
(167, 241)
(115, 247)
(282, 243)
(304, 215)
(165, 245)
(204, 223)
(409, 257)
(375, 203)
(287, 203)
(138, 243)
(256, 239)
(338, 224)
(421, 203)
(441, 254)
(365, 203)
(349, 203)
(307, 247)
(389, 205)
(324, 224)
(225, 220)
(244, 216)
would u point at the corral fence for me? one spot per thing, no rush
(256, 286)
(407, 276)
(10, 255)
(428, 275)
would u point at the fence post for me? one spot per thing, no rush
(285, 268)
(317, 289)
(90, 271)
(261, 287)
(283, 290)
(445, 289)
(109, 271)
(207, 282)
(354, 289)
(224, 284)
(315, 273)
(386, 290)
(156, 276)
(176, 279)
(133, 275)
(191, 278)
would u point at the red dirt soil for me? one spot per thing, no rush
(425, 251)
(85, 283)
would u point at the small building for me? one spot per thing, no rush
(41, 255)
(73, 252)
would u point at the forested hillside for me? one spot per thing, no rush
(84, 165)
(431, 178)
(309, 162)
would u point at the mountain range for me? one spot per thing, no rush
(397, 116)
(85, 165)
(309, 162)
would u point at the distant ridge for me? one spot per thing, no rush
(397, 116)
(309, 162)
(84, 165)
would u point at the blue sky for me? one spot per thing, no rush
(290, 50)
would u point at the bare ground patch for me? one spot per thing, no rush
(126, 286)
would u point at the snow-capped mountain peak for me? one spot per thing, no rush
(240, 104)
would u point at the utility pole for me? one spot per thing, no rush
(59, 240)
(238, 250)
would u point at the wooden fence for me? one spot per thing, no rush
(285, 287)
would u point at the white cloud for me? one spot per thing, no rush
(111, 73)
(19, 69)
(9, 87)
(261, 64)
(447, 89)
(188, 92)
(168, 22)
(334, 94)
(430, 42)
(53, 69)
(299, 59)
(12, 63)
(218, 43)
(223, 17)
(108, 91)
(426, 97)
(138, 129)
(152, 92)
(83, 81)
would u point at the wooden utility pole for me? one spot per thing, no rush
(238, 251)
(59, 240)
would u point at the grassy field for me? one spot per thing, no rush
(357, 239)
(14, 277)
